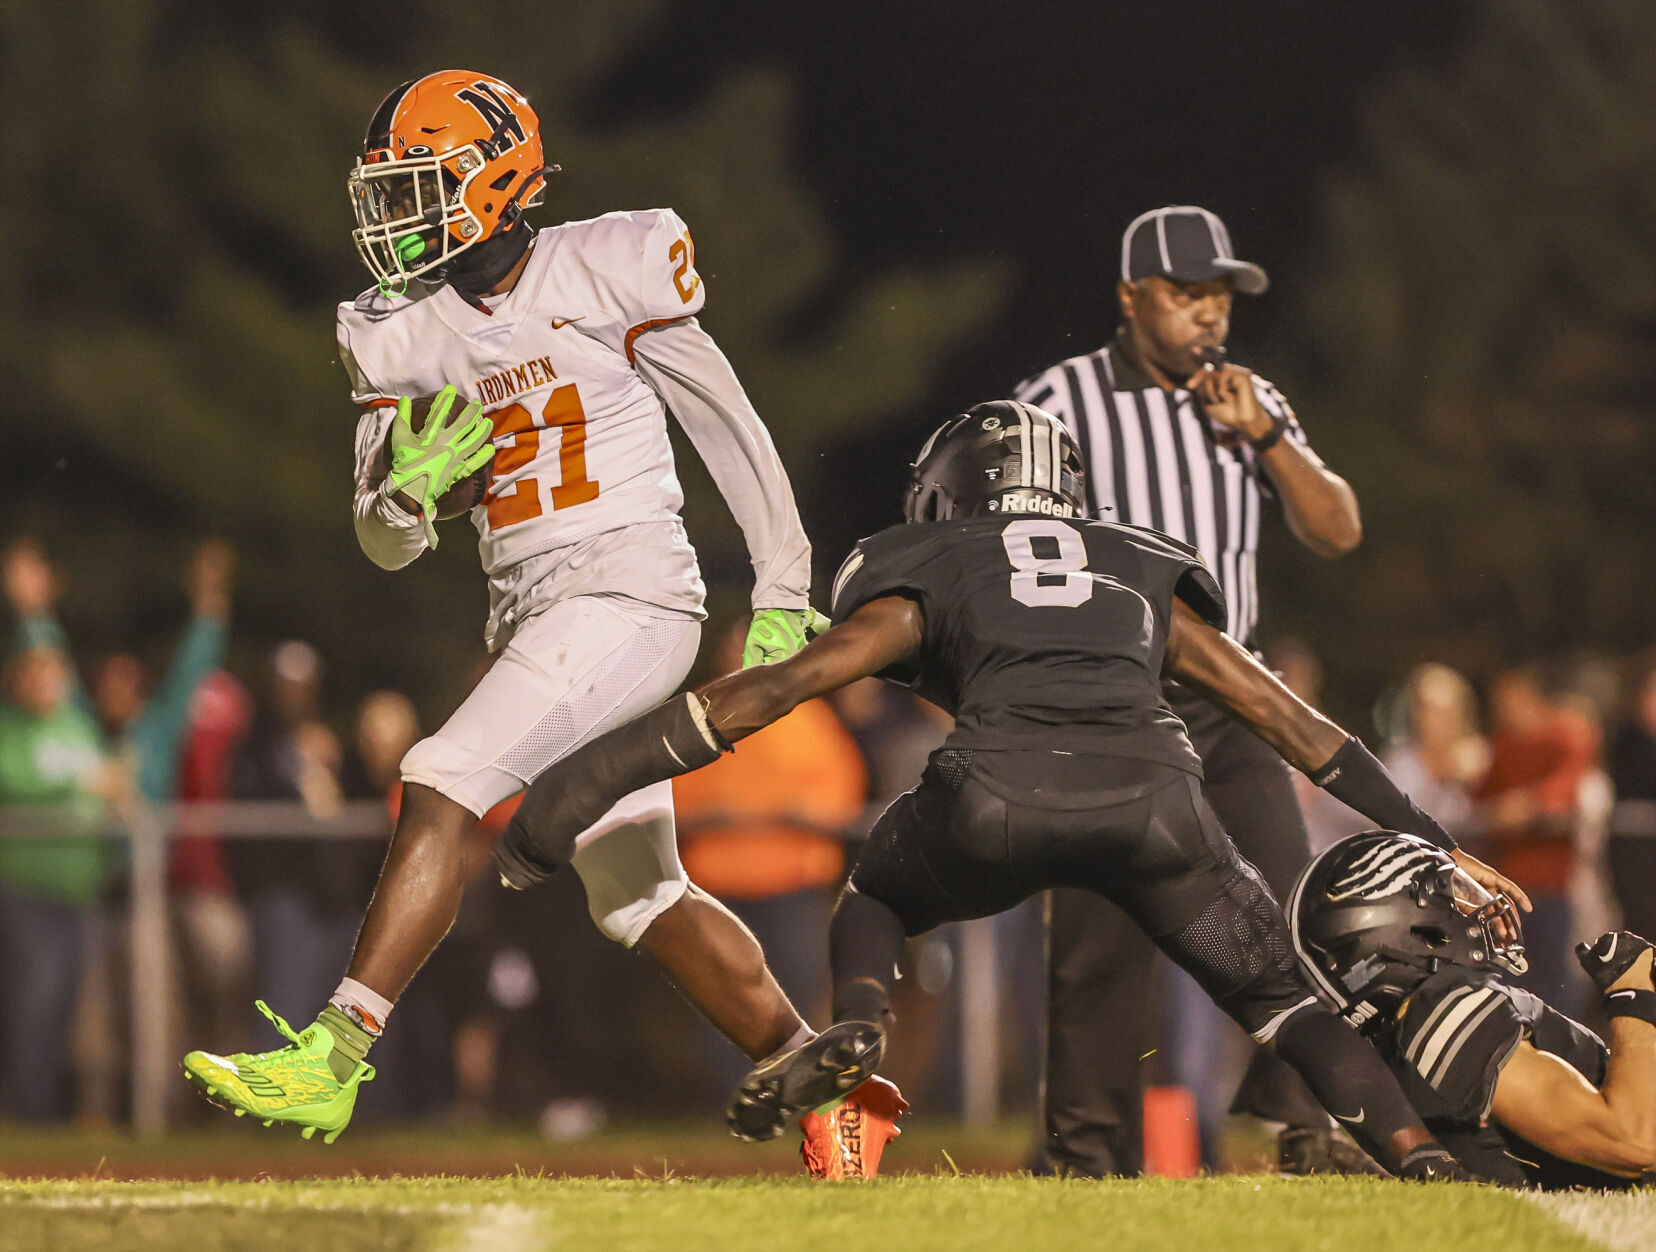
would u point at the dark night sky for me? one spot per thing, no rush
(1034, 133)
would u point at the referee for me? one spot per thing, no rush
(1178, 441)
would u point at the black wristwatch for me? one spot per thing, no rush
(1270, 439)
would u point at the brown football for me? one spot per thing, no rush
(466, 494)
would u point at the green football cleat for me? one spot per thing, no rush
(294, 1084)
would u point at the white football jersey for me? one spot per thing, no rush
(581, 439)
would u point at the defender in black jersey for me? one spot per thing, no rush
(1414, 955)
(1046, 636)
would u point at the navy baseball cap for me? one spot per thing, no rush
(1188, 245)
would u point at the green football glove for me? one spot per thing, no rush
(776, 634)
(450, 448)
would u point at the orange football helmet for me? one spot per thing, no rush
(450, 160)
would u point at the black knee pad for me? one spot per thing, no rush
(1238, 938)
(892, 864)
(1239, 951)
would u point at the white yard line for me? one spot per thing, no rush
(203, 1199)
(1622, 1221)
(502, 1228)
(184, 1200)
(475, 1227)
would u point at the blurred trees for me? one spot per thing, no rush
(1474, 349)
(1480, 329)
(178, 234)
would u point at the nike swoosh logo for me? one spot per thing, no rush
(673, 754)
(1353, 1121)
(1617, 995)
(558, 323)
(1610, 952)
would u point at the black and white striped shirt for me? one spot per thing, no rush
(1156, 460)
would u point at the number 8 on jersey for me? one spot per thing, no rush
(1048, 564)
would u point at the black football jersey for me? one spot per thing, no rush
(1040, 632)
(1458, 1032)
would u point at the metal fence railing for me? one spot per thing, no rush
(149, 831)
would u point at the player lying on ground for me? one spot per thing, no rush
(1046, 636)
(1414, 955)
(577, 338)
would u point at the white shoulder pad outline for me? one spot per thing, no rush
(1454, 1021)
(847, 571)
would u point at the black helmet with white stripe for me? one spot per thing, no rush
(1378, 913)
(1001, 457)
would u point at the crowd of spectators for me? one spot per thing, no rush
(71, 751)
(525, 1009)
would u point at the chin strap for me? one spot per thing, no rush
(479, 269)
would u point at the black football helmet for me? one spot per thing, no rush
(1001, 457)
(1378, 913)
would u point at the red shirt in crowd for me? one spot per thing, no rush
(1529, 796)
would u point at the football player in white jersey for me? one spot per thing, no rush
(557, 354)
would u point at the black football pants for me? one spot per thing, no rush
(987, 830)
(1101, 966)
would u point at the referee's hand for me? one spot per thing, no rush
(1226, 394)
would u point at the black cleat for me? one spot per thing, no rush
(1431, 1163)
(1303, 1150)
(825, 1069)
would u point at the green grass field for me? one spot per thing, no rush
(443, 1191)
(907, 1212)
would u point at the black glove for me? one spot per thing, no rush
(1610, 956)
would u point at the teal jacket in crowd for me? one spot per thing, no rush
(43, 760)
(152, 743)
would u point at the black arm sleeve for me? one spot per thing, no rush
(1354, 777)
(574, 793)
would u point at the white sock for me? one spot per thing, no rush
(371, 1007)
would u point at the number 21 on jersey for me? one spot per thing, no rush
(562, 411)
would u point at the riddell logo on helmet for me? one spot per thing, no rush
(1020, 502)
